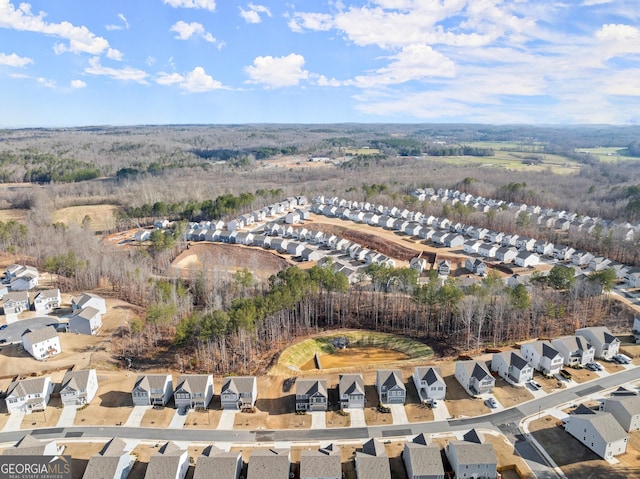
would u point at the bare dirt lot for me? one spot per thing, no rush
(112, 404)
(223, 260)
(577, 461)
(509, 395)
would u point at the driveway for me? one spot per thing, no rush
(135, 418)
(399, 414)
(357, 417)
(227, 418)
(68, 416)
(318, 419)
(14, 422)
(13, 332)
(178, 419)
(441, 411)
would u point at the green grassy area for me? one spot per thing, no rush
(608, 154)
(535, 147)
(300, 353)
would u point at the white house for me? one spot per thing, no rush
(78, 387)
(89, 299)
(542, 357)
(87, 320)
(47, 300)
(193, 391)
(526, 259)
(626, 410)
(292, 218)
(114, 461)
(488, 250)
(506, 254)
(28, 395)
(169, 462)
(42, 343)
(419, 264)
(476, 266)
(16, 302)
(429, 383)
(511, 366)
(575, 350)
(474, 377)
(472, 457)
(599, 431)
(471, 246)
(605, 343)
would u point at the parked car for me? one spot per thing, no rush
(534, 384)
(491, 403)
(622, 358)
(565, 374)
(4, 326)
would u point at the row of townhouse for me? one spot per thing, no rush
(472, 456)
(194, 391)
(606, 431)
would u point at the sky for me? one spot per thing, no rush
(127, 62)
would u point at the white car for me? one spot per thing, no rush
(535, 384)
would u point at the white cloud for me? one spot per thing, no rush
(80, 39)
(78, 84)
(150, 61)
(589, 3)
(114, 54)
(311, 21)
(276, 72)
(202, 4)
(252, 14)
(196, 81)
(125, 74)
(14, 60)
(124, 26)
(186, 30)
(46, 82)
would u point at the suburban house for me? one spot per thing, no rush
(511, 366)
(422, 459)
(562, 252)
(372, 461)
(16, 302)
(14, 271)
(429, 383)
(475, 377)
(47, 300)
(239, 392)
(574, 349)
(351, 391)
(444, 267)
(89, 299)
(114, 461)
(599, 431)
(24, 279)
(30, 446)
(28, 395)
(323, 463)
(506, 254)
(581, 258)
(472, 457)
(269, 464)
(471, 246)
(215, 463)
(169, 462)
(311, 395)
(42, 343)
(488, 250)
(476, 266)
(605, 343)
(390, 386)
(626, 410)
(526, 259)
(419, 264)
(152, 390)
(543, 357)
(194, 391)
(79, 387)
(87, 320)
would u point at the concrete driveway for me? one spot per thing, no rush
(318, 419)
(357, 417)
(68, 416)
(14, 422)
(399, 414)
(135, 418)
(227, 418)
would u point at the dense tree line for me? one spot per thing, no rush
(458, 150)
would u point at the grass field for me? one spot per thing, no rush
(608, 154)
(102, 217)
(298, 354)
(13, 215)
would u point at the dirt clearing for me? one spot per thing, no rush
(100, 217)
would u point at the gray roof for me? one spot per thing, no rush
(269, 464)
(151, 381)
(372, 467)
(88, 312)
(600, 333)
(320, 464)
(84, 298)
(351, 384)
(374, 447)
(238, 384)
(104, 464)
(40, 334)
(27, 446)
(424, 460)
(24, 387)
(474, 435)
(311, 386)
(48, 293)
(76, 380)
(473, 453)
(390, 378)
(216, 464)
(514, 359)
(194, 383)
(631, 403)
(480, 370)
(605, 424)
(165, 463)
(429, 374)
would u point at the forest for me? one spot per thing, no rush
(237, 325)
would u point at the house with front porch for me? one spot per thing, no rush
(429, 383)
(474, 377)
(47, 300)
(15, 302)
(239, 392)
(194, 391)
(390, 386)
(311, 395)
(511, 366)
(476, 266)
(152, 390)
(543, 357)
(575, 350)
(79, 387)
(351, 391)
(606, 344)
(28, 395)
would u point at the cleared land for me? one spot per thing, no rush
(101, 217)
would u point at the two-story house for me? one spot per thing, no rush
(47, 300)
(114, 461)
(429, 383)
(422, 459)
(324, 463)
(239, 392)
(511, 366)
(169, 462)
(87, 320)
(28, 395)
(475, 377)
(194, 391)
(351, 391)
(542, 357)
(605, 343)
(269, 464)
(472, 457)
(15, 302)
(599, 431)
(42, 343)
(626, 410)
(152, 390)
(215, 463)
(390, 386)
(89, 299)
(311, 395)
(575, 350)
(79, 387)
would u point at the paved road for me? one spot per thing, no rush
(14, 331)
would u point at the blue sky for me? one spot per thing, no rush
(115, 62)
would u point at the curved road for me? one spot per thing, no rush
(506, 421)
